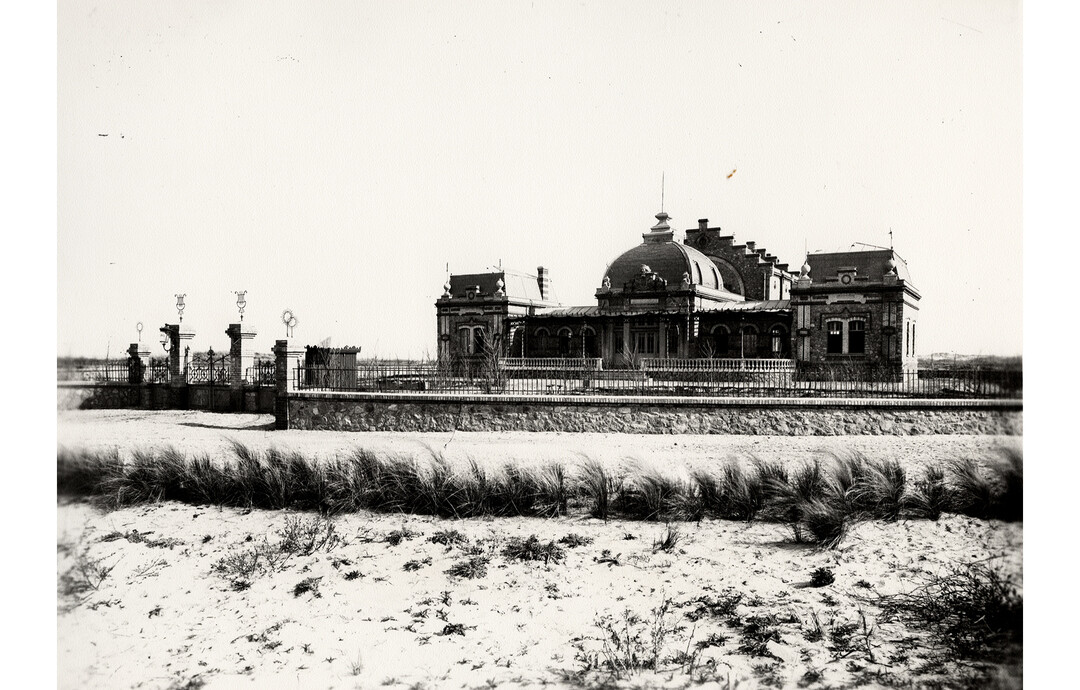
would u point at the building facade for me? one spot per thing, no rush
(705, 297)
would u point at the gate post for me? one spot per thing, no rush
(238, 363)
(285, 368)
(177, 396)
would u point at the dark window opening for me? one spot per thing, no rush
(856, 337)
(834, 345)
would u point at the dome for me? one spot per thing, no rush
(667, 259)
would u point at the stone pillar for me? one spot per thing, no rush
(177, 395)
(239, 362)
(138, 363)
(177, 340)
(286, 364)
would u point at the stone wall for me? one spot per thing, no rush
(342, 413)
(112, 396)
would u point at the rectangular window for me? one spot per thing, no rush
(835, 343)
(645, 342)
(856, 337)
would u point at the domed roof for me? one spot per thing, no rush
(667, 259)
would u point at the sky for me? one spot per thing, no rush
(335, 158)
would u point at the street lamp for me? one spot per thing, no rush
(241, 302)
(290, 322)
(166, 344)
(138, 327)
(180, 305)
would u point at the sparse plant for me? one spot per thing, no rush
(448, 537)
(667, 541)
(532, 549)
(414, 565)
(631, 644)
(304, 537)
(308, 585)
(974, 610)
(395, 537)
(84, 575)
(353, 575)
(755, 634)
(720, 606)
(574, 540)
(470, 569)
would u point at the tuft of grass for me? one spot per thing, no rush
(878, 489)
(599, 486)
(308, 585)
(667, 541)
(820, 522)
(822, 577)
(929, 496)
(470, 569)
(448, 537)
(649, 494)
(733, 495)
(972, 489)
(722, 606)
(574, 540)
(531, 549)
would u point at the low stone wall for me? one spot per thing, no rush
(111, 396)
(342, 412)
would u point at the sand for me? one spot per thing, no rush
(165, 617)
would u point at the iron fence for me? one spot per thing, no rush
(213, 370)
(776, 381)
(262, 374)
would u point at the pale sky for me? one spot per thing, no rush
(333, 157)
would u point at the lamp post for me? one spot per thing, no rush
(138, 327)
(180, 305)
(241, 302)
(166, 344)
(290, 321)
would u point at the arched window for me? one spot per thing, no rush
(540, 342)
(720, 345)
(856, 337)
(697, 273)
(588, 342)
(716, 278)
(834, 345)
(565, 338)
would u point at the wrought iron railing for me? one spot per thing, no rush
(262, 374)
(470, 377)
(213, 370)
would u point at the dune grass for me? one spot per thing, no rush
(818, 500)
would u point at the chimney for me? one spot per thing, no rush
(703, 224)
(544, 281)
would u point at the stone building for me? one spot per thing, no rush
(705, 297)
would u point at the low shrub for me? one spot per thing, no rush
(531, 549)
(974, 610)
(470, 569)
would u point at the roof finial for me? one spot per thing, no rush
(661, 191)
